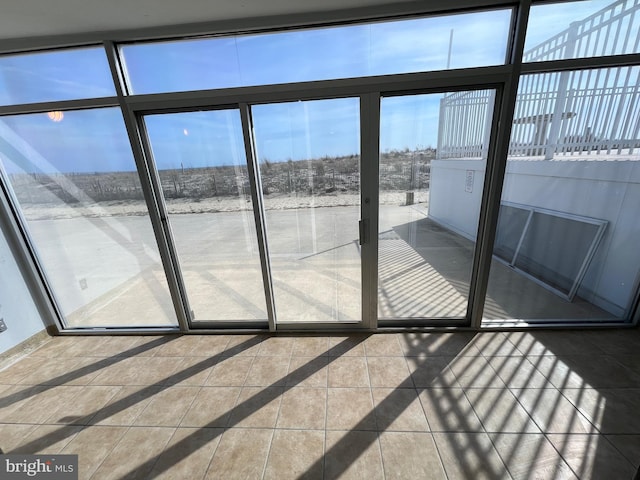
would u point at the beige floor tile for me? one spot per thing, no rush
(518, 372)
(348, 372)
(350, 408)
(552, 412)
(494, 344)
(14, 373)
(14, 398)
(475, 372)
(135, 455)
(211, 407)
(92, 445)
(389, 372)
(66, 371)
(47, 439)
(295, 454)
(192, 371)
(125, 406)
(385, 345)
(554, 343)
(410, 455)
(241, 454)
(11, 435)
(308, 372)
(524, 454)
(628, 445)
(610, 410)
(148, 345)
(424, 345)
(138, 371)
(188, 454)
(352, 455)
(211, 345)
(449, 410)
(71, 346)
(88, 402)
(499, 411)
(592, 457)
(268, 371)
(347, 345)
(597, 371)
(257, 407)
(179, 346)
(167, 407)
(38, 408)
(115, 346)
(303, 408)
(432, 372)
(311, 346)
(399, 410)
(243, 345)
(276, 347)
(230, 372)
(470, 455)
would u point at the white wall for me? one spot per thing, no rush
(450, 202)
(606, 189)
(17, 306)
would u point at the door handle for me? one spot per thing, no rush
(361, 231)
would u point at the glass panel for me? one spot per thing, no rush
(574, 164)
(309, 154)
(432, 164)
(414, 45)
(582, 29)
(201, 162)
(55, 75)
(76, 182)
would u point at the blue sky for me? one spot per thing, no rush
(87, 141)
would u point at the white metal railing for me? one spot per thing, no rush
(577, 112)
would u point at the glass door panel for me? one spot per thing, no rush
(309, 160)
(201, 163)
(75, 180)
(432, 165)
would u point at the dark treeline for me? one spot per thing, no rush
(399, 170)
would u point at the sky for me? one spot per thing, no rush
(96, 140)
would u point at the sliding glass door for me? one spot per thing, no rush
(204, 178)
(434, 150)
(309, 158)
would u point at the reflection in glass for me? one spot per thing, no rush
(57, 75)
(432, 164)
(380, 48)
(574, 172)
(201, 162)
(592, 28)
(78, 189)
(309, 155)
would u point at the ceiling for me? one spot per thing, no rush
(21, 19)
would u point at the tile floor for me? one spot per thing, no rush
(534, 405)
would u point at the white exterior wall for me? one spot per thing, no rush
(608, 190)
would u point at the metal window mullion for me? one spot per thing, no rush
(255, 184)
(62, 105)
(152, 195)
(369, 204)
(495, 172)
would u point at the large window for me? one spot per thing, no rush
(55, 75)
(76, 182)
(570, 199)
(340, 173)
(361, 50)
